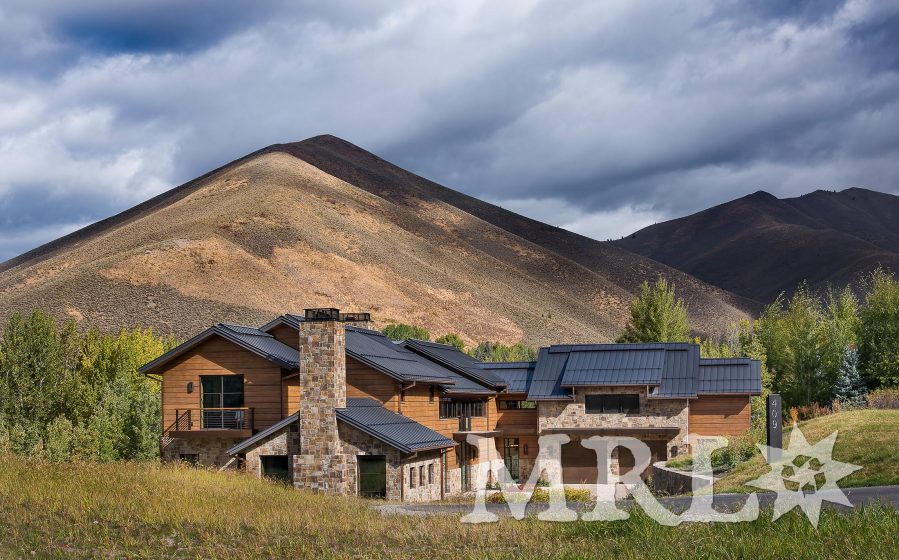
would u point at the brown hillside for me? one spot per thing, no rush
(324, 223)
(759, 246)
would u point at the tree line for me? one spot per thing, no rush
(70, 394)
(813, 348)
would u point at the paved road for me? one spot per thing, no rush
(886, 495)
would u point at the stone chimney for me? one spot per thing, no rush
(321, 465)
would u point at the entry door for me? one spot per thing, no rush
(510, 455)
(372, 475)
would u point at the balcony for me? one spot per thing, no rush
(230, 422)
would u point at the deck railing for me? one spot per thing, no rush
(213, 419)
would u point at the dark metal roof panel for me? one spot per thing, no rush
(679, 373)
(729, 376)
(611, 365)
(454, 358)
(401, 432)
(545, 384)
(263, 434)
(264, 343)
(517, 375)
(381, 353)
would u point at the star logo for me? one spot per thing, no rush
(804, 475)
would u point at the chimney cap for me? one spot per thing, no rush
(322, 314)
(355, 317)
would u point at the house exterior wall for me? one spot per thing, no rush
(283, 442)
(216, 356)
(653, 413)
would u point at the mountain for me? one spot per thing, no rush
(324, 223)
(759, 246)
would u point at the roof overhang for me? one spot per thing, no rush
(405, 379)
(215, 330)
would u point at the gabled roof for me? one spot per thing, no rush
(370, 417)
(379, 352)
(398, 431)
(254, 340)
(517, 375)
(670, 368)
(461, 385)
(289, 319)
(456, 360)
(721, 376)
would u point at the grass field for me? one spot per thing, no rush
(869, 438)
(145, 511)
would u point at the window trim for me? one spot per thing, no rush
(502, 404)
(456, 408)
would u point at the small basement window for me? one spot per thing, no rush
(606, 404)
(189, 458)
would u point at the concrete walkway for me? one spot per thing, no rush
(884, 495)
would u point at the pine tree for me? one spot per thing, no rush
(850, 390)
(657, 315)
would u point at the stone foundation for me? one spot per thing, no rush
(210, 451)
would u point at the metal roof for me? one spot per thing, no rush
(396, 430)
(379, 352)
(672, 369)
(729, 376)
(461, 385)
(249, 338)
(290, 319)
(264, 434)
(457, 360)
(517, 375)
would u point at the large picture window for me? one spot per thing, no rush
(222, 391)
(606, 404)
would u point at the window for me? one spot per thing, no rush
(222, 391)
(222, 402)
(411, 477)
(430, 473)
(421, 475)
(510, 457)
(450, 408)
(605, 404)
(516, 405)
(431, 394)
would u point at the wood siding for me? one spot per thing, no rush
(516, 423)
(719, 415)
(365, 381)
(286, 334)
(216, 356)
(290, 390)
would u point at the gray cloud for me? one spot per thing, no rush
(600, 118)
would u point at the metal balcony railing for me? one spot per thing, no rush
(213, 419)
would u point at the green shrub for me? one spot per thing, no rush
(452, 339)
(884, 399)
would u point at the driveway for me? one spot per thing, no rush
(884, 495)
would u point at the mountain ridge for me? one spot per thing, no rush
(322, 222)
(759, 246)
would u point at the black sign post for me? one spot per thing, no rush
(774, 429)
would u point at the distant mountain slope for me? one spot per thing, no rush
(322, 222)
(758, 246)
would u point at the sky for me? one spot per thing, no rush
(600, 117)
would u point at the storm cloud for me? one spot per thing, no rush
(599, 117)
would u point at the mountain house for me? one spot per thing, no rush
(325, 403)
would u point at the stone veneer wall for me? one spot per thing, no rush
(653, 413)
(322, 465)
(211, 452)
(283, 442)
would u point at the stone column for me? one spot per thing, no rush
(321, 465)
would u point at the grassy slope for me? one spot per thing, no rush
(869, 438)
(138, 511)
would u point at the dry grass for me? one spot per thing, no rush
(145, 511)
(869, 438)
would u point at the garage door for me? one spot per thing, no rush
(578, 464)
